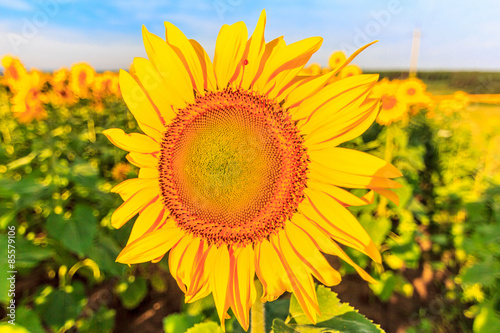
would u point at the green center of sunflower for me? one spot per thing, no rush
(232, 167)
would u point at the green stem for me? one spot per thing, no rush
(389, 145)
(258, 318)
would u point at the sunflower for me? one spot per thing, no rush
(106, 84)
(337, 59)
(240, 173)
(412, 90)
(61, 94)
(350, 70)
(81, 79)
(394, 106)
(28, 100)
(14, 72)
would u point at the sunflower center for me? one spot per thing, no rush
(388, 102)
(232, 167)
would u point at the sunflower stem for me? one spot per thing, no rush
(389, 145)
(258, 317)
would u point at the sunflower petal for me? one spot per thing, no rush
(185, 51)
(207, 67)
(220, 279)
(256, 47)
(168, 65)
(131, 186)
(142, 160)
(133, 142)
(152, 216)
(301, 280)
(355, 162)
(133, 205)
(344, 197)
(274, 281)
(229, 49)
(243, 288)
(344, 179)
(163, 94)
(148, 173)
(286, 63)
(310, 255)
(338, 222)
(151, 245)
(326, 245)
(140, 106)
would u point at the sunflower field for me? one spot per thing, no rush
(437, 227)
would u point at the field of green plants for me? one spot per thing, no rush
(440, 245)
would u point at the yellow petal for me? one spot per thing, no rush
(302, 284)
(389, 195)
(308, 252)
(163, 93)
(349, 127)
(131, 186)
(286, 63)
(340, 224)
(219, 280)
(333, 92)
(326, 244)
(148, 173)
(185, 51)
(202, 274)
(144, 112)
(207, 67)
(151, 245)
(151, 217)
(243, 287)
(344, 197)
(355, 162)
(331, 176)
(256, 47)
(270, 49)
(168, 65)
(133, 142)
(272, 279)
(307, 88)
(180, 256)
(229, 49)
(133, 205)
(142, 160)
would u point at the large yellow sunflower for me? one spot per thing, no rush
(240, 173)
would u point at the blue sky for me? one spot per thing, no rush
(455, 35)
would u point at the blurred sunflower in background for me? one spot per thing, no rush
(240, 173)
(81, 79)
(393, 104)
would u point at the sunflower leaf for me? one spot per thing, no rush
(335, 317)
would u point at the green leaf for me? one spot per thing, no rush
(275, 309)
(335, 317)
(57, 306)
(329, 305)
(179, 322)
(132, 293)
(102, 321)
(209, 327)
(29, 255)
(104, 253)
(378, 228)
(29, 319)
(485, 273)
(487, 321)
(79, 230)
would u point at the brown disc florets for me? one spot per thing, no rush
(232, 167)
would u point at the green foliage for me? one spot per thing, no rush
(335, 317)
